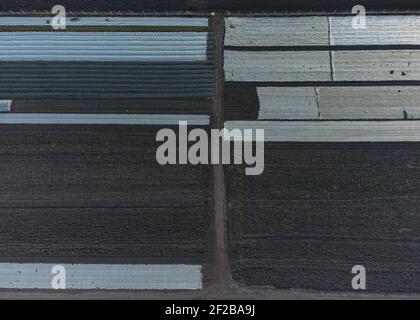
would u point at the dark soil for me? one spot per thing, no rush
(319, 209)
(97, 192)
(200, 5)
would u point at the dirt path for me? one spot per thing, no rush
(218, 273)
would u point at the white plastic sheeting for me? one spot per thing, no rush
(322, 31)
(339, 103)
(84, 118)
(279, 31)
(5, 105)
(100, 276)
(380, 30)
(103, 46)
(332, 131)
(287, 103)
(281, 66)
(376, 65)
(369, 103)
